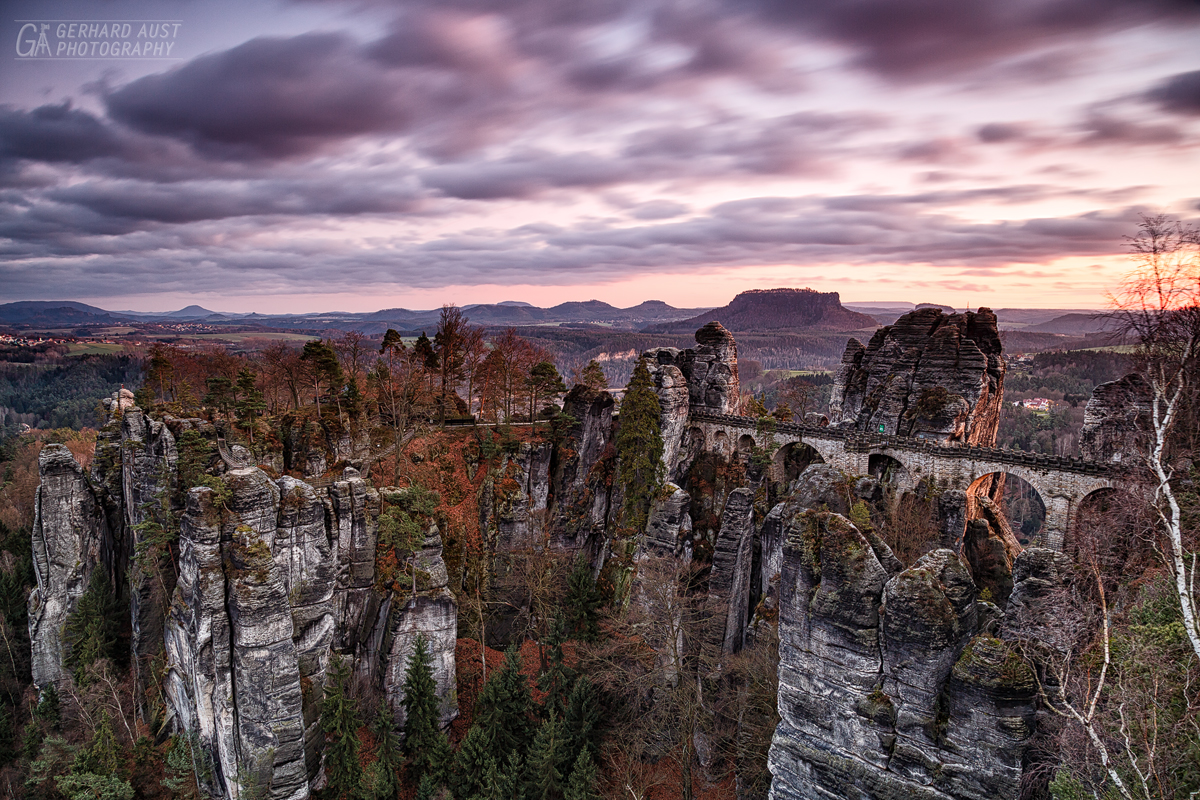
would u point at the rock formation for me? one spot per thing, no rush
(585, 457)
(513, 506)
(71, 541)
(888, 688)
(729, 582)
(275, 578)
(930, 375)
(1117, 421)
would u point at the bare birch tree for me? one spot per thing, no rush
(1159, 307)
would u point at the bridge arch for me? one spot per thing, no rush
(1114, 527)
(745, 445)
(792, 459)
(1020, 501)
(890, 471)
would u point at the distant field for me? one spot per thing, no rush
(1112, 348)
(793, 373)
(241, 337)
(93, 348)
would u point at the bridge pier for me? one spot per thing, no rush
(1059, 512)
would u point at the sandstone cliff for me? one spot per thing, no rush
(930, 375)
(890, 687)
(275, 578)
(1117, 422)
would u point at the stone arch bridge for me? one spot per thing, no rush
(1062, 483)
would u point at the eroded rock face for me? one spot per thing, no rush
(431, 613)
(266, 579)
(1117, 421)
(70, 541)
(930, 375)
(304, 559)
(713, 375)
(514, 503)
(671, 386)
(148, 458)
(729, 581)
(580, 488)
(887, 686)
(709, 369)
(352, 514)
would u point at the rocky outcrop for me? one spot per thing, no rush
(673, 392)
(514, 502)
(952, 517)
(712, 372)
(1117, 421)
(710, 369)
(582, 470)
(729, 581)
(888, 687)
(148, 500)
(404, 616)
(304, 559)
(233, 674)
(668, 525)
(267, 577)
(352, 510)
(70, 542)
(930, 375)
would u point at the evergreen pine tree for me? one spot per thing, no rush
(582, 603)
(505, 708)
(47, 708)
(471, 763)
(582, 783)
(512, 779)
(427, 788)
(583, 718)
(388, 759)
(179, 774)
(91, 629)
(558, 677)
(639, 446)
(250, 402)
(545, 764)
(339, 720)
(593, 376)
(422, 723)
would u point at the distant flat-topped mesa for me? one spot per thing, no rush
(931, 375)
(779, 309)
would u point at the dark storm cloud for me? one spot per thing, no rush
(266, 98)
(181, 203)
(1179, 93)
(922, 39)
(55, 133)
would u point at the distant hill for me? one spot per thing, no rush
(1076, 324)
(191, 312)
(56, 313)
(778, 309)
(518, 314)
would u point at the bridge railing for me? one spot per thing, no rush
(860, 442)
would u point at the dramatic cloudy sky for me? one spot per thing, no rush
(354, 155)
